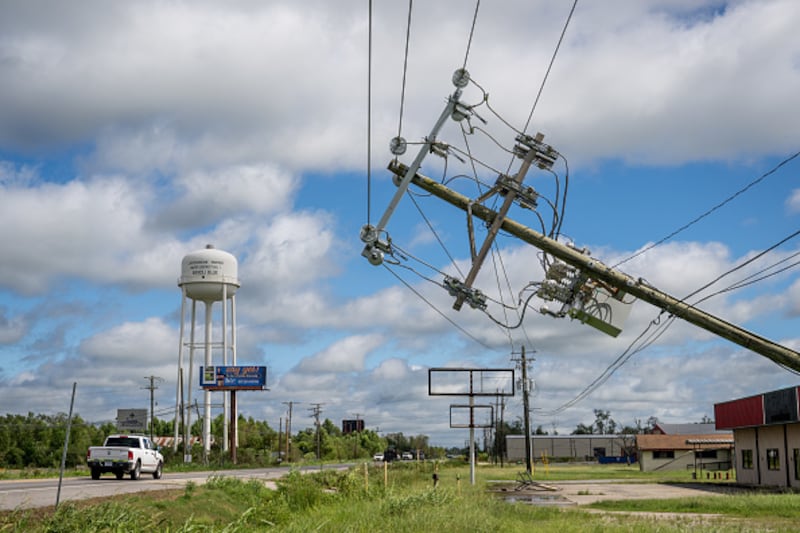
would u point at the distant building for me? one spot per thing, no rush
(766, 431)
(710, 452)
(570, 447)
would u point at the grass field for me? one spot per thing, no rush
(358, 500)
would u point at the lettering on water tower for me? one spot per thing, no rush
(205, 267)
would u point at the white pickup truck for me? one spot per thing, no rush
(125, 454)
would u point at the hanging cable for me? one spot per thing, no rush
(741, 265)
(630, 351)
(405, 70)
(369, 116)
(436, 235)
(471, 32)
(550, 66)
(421, 297)
(707, 213)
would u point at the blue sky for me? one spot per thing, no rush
(133, 134)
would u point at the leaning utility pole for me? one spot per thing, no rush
(593, 269)
(152, 387)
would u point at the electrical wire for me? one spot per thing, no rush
(405, 70)
(471, 32)
(715, 208)
(630, 351)
(369, 115)
(436, 235)
(550, 66)
(430, 304)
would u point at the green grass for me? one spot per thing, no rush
(750, 505)
(350, 501)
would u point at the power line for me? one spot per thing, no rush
(550, 66)
(430, 304)
(707, 213)
(369, 116)
(405, 71)
(630, 351)
(471, 32)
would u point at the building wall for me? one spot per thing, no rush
(793, 440)
(682, 460)
(576, 447)
(775, 451)
(771, 438)
(745, 441)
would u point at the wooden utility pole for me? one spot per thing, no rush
(288, 429)
(152, 387)
(315, 412)
(526, 421)
(596, 270)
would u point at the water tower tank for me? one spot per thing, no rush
(204, 272)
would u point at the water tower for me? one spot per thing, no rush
(207, 276)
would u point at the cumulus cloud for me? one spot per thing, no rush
(136, 132)
(346, 355)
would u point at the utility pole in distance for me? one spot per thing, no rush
(315, 412)
(288, 429)
(358, 434)
(526, 410)
(152, 387)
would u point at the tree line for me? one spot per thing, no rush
(37, 441)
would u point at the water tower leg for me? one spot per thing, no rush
(178, 391)
(235, 408)
(187, 430)
(207, 393)
(225, 394)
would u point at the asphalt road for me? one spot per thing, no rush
(30, 493)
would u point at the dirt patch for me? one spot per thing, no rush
(587, 492)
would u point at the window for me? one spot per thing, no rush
(706, 454)
(773, 459)
(747, 459)
(796, 452)
(664, 454)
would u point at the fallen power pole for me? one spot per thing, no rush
(596, 270)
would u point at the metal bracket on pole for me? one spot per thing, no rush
(511, 194)
(370, 235)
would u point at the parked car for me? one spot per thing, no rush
(378, 457)
(408, 456)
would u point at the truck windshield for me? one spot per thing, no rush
(123, 442)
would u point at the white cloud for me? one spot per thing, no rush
(346, 355)
(134, 133)
(793, 202)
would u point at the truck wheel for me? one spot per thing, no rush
(137, 471)
(95, 473)
(119, 474)
(158, 471)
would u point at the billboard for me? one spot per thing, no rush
(452, 381)
(352, 426)
(233, 377)
(132, 420)
(471, 416)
